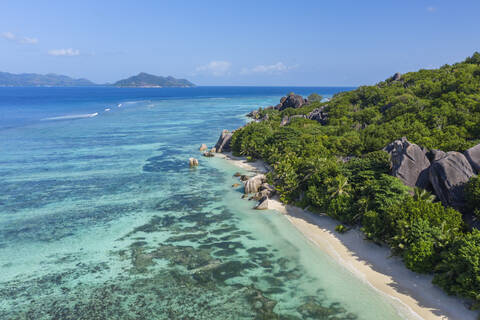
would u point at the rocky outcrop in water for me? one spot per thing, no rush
(203, 147)
(473, 157)
(223, 143)
(448, 177)
(193, 162)
(409, 163)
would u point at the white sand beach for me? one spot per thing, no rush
(371, 263)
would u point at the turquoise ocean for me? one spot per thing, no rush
(102, 218)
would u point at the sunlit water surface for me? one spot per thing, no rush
(101, 217)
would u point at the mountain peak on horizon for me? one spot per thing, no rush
(41, 80)
(144, 79)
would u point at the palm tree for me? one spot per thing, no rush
(422, 194)
(339, 187)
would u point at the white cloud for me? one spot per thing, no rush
(28, 40)
(431, 9)
(8, 35)
(278, 67)
(24, 40)
(217, 68)
(64, 52)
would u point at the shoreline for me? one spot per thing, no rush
(409, 292)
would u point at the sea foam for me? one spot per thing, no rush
(72, 117)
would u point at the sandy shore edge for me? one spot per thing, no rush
(412, 294)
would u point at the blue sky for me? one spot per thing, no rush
(237, 42)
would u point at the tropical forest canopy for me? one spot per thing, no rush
(337, 166)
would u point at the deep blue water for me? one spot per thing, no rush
(22, 106)
(101, 217)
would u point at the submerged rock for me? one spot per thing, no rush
(208, 154)
(253, 184)
(409, 163)
(473, 156)
(449, 176)
(223, 143)
(193, 162)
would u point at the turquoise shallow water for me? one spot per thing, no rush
(101, 217)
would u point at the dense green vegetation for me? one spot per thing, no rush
(472, 194)
(340, 168)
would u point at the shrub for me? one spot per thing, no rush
(459, 271)
(472, 195)
(341, 228)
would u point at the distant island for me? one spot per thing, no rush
(142, 80)
(40, 80)
(145, 80)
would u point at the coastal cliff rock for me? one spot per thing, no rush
(449, 176)
(409, 163)
(291, 101)
(253, 184)
(223, 143)
(319, 115)
(193, 162)
(473, 156)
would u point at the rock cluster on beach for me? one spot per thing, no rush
(446, 173)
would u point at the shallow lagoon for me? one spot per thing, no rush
(100, 217)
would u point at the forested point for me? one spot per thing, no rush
(329, 156)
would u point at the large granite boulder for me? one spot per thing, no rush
(409, 163)
(473, 156)
(253, 184)
(319, 115)
(396, 77)
(435, 155)
(449, 176)
(291, 101)
(223, 143)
